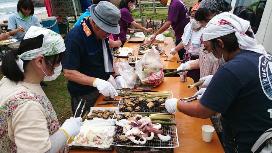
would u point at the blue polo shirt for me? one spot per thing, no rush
(84, 54)
(15, 21)
(240, 92)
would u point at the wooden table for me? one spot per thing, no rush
(166, 47)
(189, 128)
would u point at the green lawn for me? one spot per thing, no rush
(58, 94)
(160, 13)
(57, 90)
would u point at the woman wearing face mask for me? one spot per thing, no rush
(240, 90)
(28, 120)
(126, 6)
(23, 19)
(190, 41)
(206, 62)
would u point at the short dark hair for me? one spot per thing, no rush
(9, 67)
(203, 14)
(230, 42)
(25, 4)
(124, 3)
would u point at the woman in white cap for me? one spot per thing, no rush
(240, 90)
(28, 122)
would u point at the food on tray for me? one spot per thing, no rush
(139, 130)
(7, 42)
(106, 114)
(160, 37)
(124, 51)
(132, 60)
(139, 35)
(144, 102)
(146, 48)
(97, 133)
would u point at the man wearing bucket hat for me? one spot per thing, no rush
(240, 90)
(88, 60)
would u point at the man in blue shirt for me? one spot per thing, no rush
(87, 14)
(88, 60)
(240, 90)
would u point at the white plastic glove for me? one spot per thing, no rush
(171, 105)
(207, 80)
(184, 66)
(173, 51)
(105, 88)
(72, 126)
(120, 82)
(112, 81)
(200, 93)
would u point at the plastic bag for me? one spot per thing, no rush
(150, 68)
(127, 73)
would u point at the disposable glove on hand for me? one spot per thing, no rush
(207, 80)
(105, 88)
(184, 66)
(199, 93)
(173, 51)
(112, 81)
(171, 105)
(120, 82)
(72, 126)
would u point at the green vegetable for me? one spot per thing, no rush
(160, 116)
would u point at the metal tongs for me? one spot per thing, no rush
(197, 84)
(174, 72)
(82, 109)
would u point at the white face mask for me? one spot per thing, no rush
(195, 25)
(57, 72)
(131, 8)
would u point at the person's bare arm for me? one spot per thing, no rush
(194, 64)
(137, 25)
(76, 76)
(4, 36)
(13, 32)
(195, 109)
(179, 46)
(164, 27)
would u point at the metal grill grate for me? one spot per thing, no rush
(155, 142)
(158, 107)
